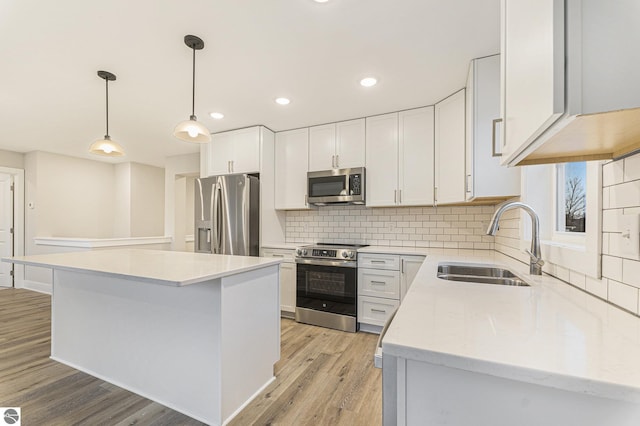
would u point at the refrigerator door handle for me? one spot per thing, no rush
(215, 246)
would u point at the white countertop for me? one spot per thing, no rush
(550, 333)
(158, 266)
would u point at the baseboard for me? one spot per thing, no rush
(45, 288)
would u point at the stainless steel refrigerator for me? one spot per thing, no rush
(227, 215)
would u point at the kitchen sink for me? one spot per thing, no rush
(481, 274)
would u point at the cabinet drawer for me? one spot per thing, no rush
(375, 310)
(379, 261)
(286, 254)
(379, 283)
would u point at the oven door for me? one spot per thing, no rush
(329, 287)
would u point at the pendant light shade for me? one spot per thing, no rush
(191, 130)
(106, 147)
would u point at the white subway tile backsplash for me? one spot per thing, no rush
(623, 295)
(612, 173)
(577, 279)
(612, 220)
(632, 168)
(625, 195)
(442, 227)
(612, 267)
(631, 272)
(597, 287)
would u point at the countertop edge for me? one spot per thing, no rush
(265, 262)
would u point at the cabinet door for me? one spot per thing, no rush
(291, 162)
(416, 165)
(350, 144)
(533, 70)
(220, 153)
(409, 266)
(450, 153)
(382, 160)
(486, 178)
(246, 150)
(322, 147)
(288, 287)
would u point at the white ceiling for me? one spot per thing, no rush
(255, 50)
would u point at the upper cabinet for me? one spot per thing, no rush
(485, 178)
(450, 149)
(569, 80)
(291, 164)
(399, 158)
(235, 151)
(337, 145)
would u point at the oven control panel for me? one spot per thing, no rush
(323, 253)
(332, 252)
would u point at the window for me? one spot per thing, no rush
(567, 198)
(571, 193)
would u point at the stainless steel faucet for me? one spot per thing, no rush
(535, 259)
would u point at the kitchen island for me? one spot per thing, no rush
(199, 333)
(461, 353)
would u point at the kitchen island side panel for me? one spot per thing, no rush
(162, 342)
(250, 335)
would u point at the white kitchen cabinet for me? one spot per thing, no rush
(337, 145)
(235, 151)
(416, 157)
(287, 279)
(291, 163)
(383, 280)
(409, 266)
(399, 158)
(450, 149)
(485, 177)
(569, 80)
(382, 160)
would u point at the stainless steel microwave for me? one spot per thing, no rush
(337, 186)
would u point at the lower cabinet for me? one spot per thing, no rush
(383, 280)
(287, 279)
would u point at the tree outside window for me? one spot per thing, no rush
(572, 200)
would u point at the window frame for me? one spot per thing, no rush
(563, 237)
(581, 253)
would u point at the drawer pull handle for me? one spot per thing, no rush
(378, 282)
(378, 261)
(382, 311)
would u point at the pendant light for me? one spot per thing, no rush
(106, 146)
(190, 130)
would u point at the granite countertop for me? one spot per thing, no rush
(549, 334)
(157, 266)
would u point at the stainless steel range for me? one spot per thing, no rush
(327, 285)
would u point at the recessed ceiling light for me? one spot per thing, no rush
(321, 1)
(283, 101)
(217, 115)
(368, 82)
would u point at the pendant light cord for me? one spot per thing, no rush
(193, 85)
(106, 80)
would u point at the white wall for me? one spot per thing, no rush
(147, 200)
(70, 197)
(122, 200)
(178, 209)
(11, 159)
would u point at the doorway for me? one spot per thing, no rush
(11, 225)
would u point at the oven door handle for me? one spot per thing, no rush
(377, 357)
(339, 263)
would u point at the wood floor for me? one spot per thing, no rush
(324, 377)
